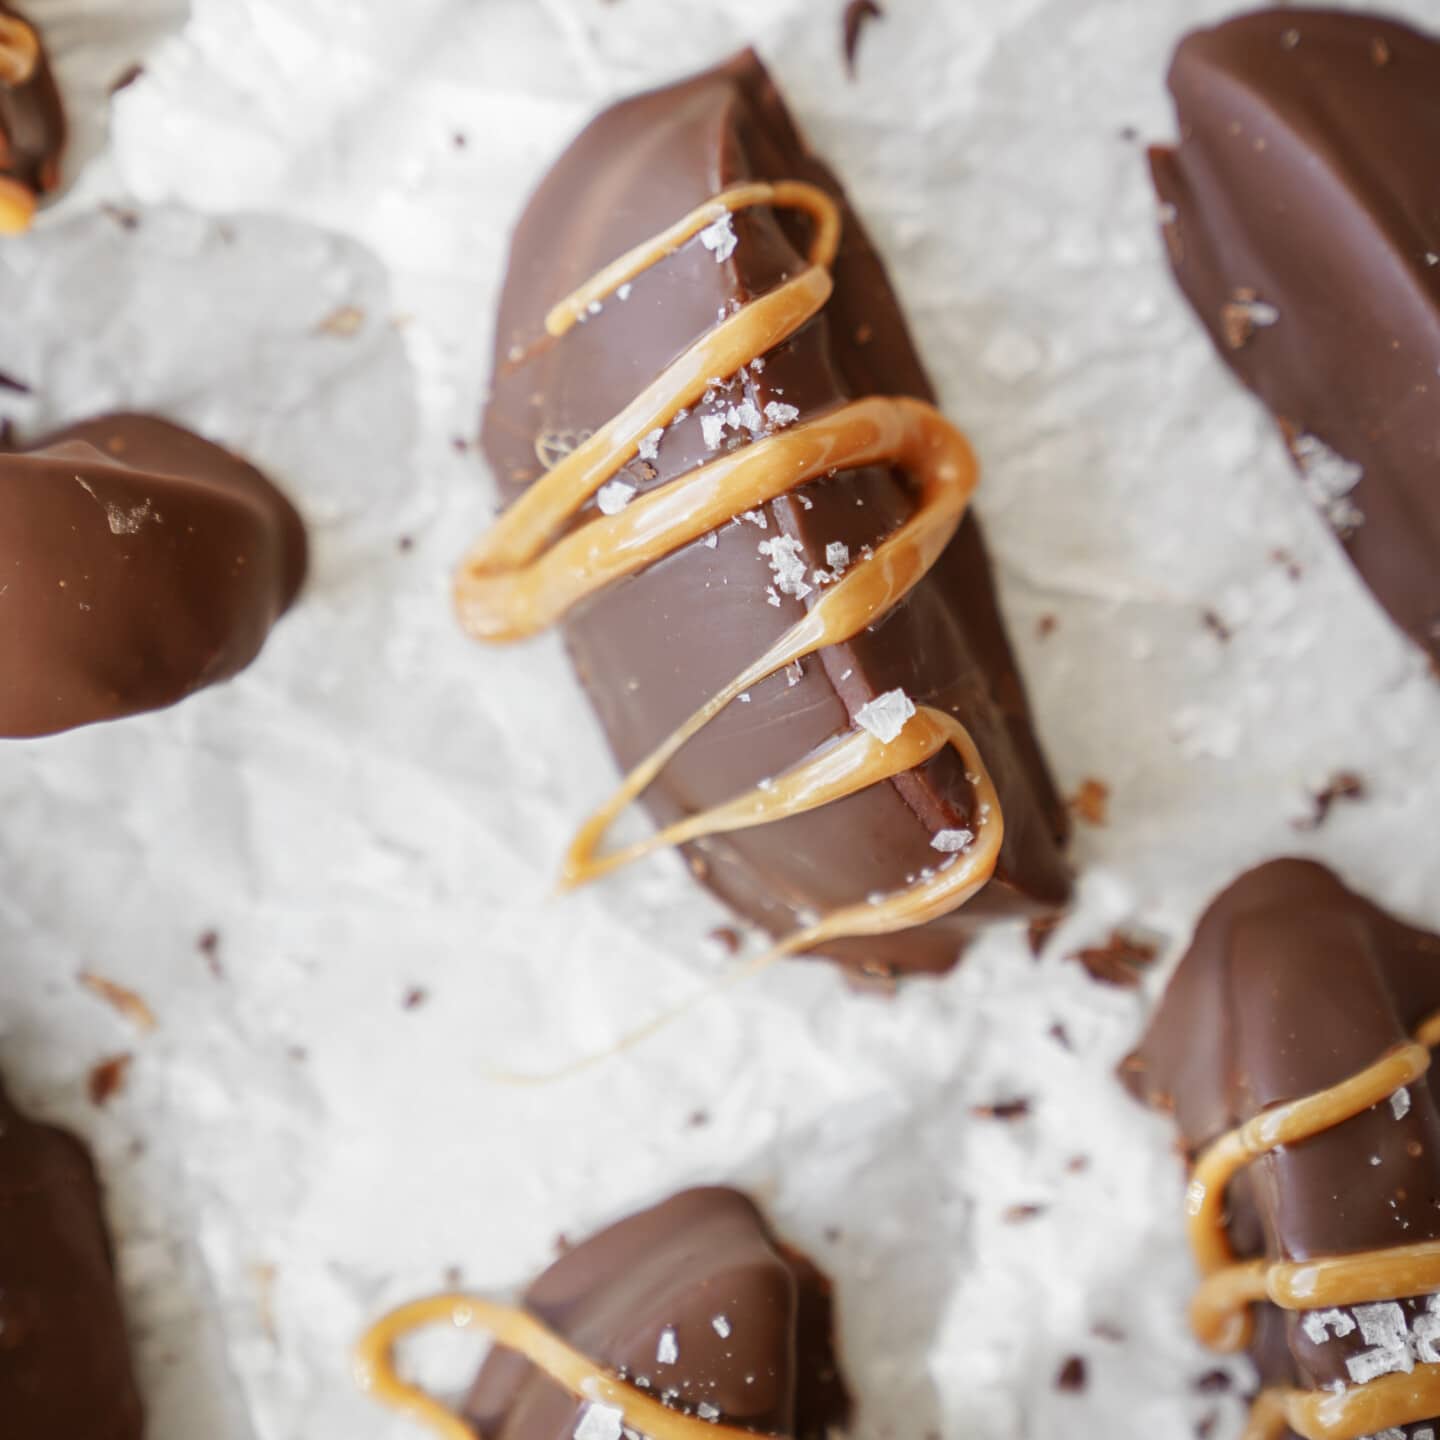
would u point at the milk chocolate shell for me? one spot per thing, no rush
(832, 405)
(688, 1321)
(1303, 223)
(32, 122)
(138, 563)
(64, 1358)
(1293, 1048)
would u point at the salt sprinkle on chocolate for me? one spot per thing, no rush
(781, 415)
(600, 1422)
(720, 238)
(650, 445)
(721, 1326)
(667, 1352)
(613, 497)
(886, 715)
(951, 842)
(1400, 1103)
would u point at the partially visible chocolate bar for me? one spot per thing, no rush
(1301, 216)
(65, 1368)
(691, 263)
(682, 1321)
(32, 122)
(138, 563)
(1293, 1047)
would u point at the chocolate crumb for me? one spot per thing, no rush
(459, 444)
(209, 946)
(833, 1234)
(415, 997)
(1213, 1382)
(1091, 802)
(1015, 1109)
(298, 1053)
(1077, 1164)
(726, 938)
(405, 544)
(1288, 562)
(1108, 1330)
(453, 1277)
(459, 139)
(1060, 1035)
(1119, 961)
(1072, 1375)
(107, 1079)
(1217, 627)
(1343, 785)
(697, 1119)
(125, 219)
(127, 77)
(1046, 626)
(858, 13)
(1019, 1214)
(9, 382)
(1129, 134)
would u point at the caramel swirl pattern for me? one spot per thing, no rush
(1220, 1312)
(525, 574)
(520, 1331)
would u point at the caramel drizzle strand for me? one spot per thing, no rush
(19, 57)
(1220, 1312)
(518, 1330)
(519, 577)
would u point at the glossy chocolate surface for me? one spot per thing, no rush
(32, 125)
(138, 563)
(653, 648)
(1293, 984)
(64, 1357)
(704, 1256)
(1304, 184)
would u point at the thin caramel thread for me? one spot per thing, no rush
(1220, 1312)
(19, 51)
(517, 1330)
(519, 578)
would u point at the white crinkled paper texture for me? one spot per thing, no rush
(375, 809)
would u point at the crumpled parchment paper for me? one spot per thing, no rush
(331, 879)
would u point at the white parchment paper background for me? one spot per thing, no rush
(376, 807)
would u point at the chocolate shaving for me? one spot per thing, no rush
(209, 946)
(415, 997)
(858, 13)
(9, 382)
(1072, 1375)
(1019, 1214)
(1217, 627)
(1046, 626)
(1091, 802)
(107, 1079)
(127, 77)
(1343, 785)
(726, 938)
(1121, 960)
(1015, 1109)
(1061, 1036)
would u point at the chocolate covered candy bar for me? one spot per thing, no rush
(32, 122)
(1293, 1047)
(138, 563)
(1303, 224)
(728, 481)
(681, 1321)
(64, 1358)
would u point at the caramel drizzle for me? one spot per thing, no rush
(519, 577)
(19, 56)
(518, 1330)
(1220, 1312)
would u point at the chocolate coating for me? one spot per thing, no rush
(32, 126)
(653, 648)
(1292, 985)
(1304, 178)
(138, 563)
(701, 1254)
(64, 1358)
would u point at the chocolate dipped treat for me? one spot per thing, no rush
(138, 563)
(64, 1357)
(1293, 1047)
(727, 478)
(32, 123)
(685, 1319)
(1303, 224)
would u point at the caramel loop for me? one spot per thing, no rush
(19, 51)
(518, 1330)
(1220, 1312)
(526, 574)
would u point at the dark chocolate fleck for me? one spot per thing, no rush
(1015, 1109)
(1343, 785)
(1119, 961)
(415, 997)
(1072, 1375)
(858, 13)
(108, 1077)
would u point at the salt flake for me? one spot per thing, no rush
(706, 1411)
(1400, 1103)
(952, 842)
(667, 1352)
(1321, 1325)
(712, 427)
(650, 445)
(600, 1422)
(837, 556)
(721, 1326)
(885, 716)
(781, 415)
(1383, 1328)
(1329, 479)
(787, 561)
(613, 497)
(720, 237)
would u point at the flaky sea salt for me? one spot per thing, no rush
(1383, 1328)
(667, 1352)
(951, 842)
(600, 1422)
(788, 562)
(706, 1411)
(712, 427)
(885, 716)
(1328, 479)
(756, 518)
(745, 416)
(650, 445)
(781, 415)
(837, 556)
(614, 496)
(1320, 1325)
(1400, 1103)
(711, 541)
(720, 237)
(721, 1326)
(623, 292)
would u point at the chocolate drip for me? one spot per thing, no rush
(32, 125)
(64, 1358)
(1303, 223)
(655, 647)
(751, 1323)
(138, 563)
(1293, 985)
